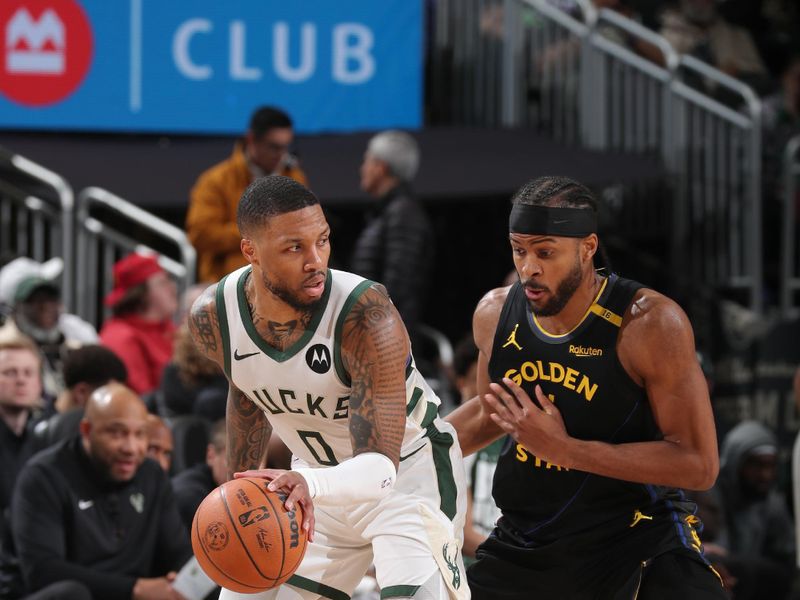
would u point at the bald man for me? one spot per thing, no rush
(92, 509)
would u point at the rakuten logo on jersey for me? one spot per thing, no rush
(47, 50)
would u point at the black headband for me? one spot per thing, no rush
(547, 220)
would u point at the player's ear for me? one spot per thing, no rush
(249, 250)
(589, 246)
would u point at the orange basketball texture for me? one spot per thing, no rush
(245, 539)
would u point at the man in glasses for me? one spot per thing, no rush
(211, 220)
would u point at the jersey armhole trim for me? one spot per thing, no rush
(222, 316)
(352, 298)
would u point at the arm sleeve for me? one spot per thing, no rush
(364, 478)
(39, 526)
(208, 223)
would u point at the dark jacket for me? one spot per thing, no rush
(396, 248)
(207, 398)
(191, 487)
(15, 451)
(69, 522)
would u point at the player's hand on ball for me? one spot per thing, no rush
(296, 488)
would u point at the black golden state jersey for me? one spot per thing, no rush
(580, 372)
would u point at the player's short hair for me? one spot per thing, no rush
(268, 117)
(398, 150)
(558, 191)
(269, 196)
(93, 364)
(555, 191)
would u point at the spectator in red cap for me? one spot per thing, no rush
(141, 331)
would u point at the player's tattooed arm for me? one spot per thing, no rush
(204, 326)
(375, 349)
(248, 433)
(248, 430)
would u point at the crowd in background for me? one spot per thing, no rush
(81, 408)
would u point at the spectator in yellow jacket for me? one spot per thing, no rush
(211, 220)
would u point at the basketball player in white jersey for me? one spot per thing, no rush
(322, 358)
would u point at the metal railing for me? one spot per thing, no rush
(716, 156)
(790, 252)
(36, 215)
(628, 105)
(599, 79)
(110, 227)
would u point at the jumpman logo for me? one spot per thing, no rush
(638, 516)
(512, 339)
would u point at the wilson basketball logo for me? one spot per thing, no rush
(46, 50)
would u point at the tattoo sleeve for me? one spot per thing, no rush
(375, 348)
(204, 326)
(248, 433)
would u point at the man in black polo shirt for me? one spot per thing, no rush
(94, 510)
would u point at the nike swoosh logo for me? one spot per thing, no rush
(402, 458)
(238, 356)
(84, 504)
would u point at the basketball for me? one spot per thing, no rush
(245, 539)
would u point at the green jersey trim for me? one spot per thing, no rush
(250, 328)
(441, 442)
(318, 588)
(222, 316)
(352, 298)
(399, 591)
(412, 404)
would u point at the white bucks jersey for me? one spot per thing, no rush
(305, 390)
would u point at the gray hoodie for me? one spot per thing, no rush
(754, 527)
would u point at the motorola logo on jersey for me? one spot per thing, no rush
(318, 358)
(46, 50)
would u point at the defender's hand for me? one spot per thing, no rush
(295, 487)
(540, 430)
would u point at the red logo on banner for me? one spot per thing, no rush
(46, 50)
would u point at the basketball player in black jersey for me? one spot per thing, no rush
(595, 380)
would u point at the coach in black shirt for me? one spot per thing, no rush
(94, 510)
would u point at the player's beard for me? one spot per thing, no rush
(288, 296)
(565, 290)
